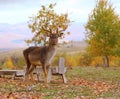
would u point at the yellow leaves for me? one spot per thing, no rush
(97, 31)
(98, 61)
(102, 29)
(72, 60)
(52, 5)
(43, 7)
(68, 33)
(48, 18)
(8, 64)
(115, 61)
(28, 41)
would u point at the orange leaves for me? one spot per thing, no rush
(98, 87)
(82, 97)
(20, 95)
(76, 88)
(17, 89)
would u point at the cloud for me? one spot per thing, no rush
(7, 38)
(17, 11)
(16, 1)
(13, 36)
(78, 10)
(77, 32)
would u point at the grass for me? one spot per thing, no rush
(100, 74)
(86, 82)
(107, 75)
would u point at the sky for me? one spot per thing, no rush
(14, 15)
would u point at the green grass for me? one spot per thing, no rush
(107, 75)
(111, 75)
(80, 83)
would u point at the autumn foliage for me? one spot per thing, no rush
(45, 20)
(103, 31)
(8, 64)
(71, 60)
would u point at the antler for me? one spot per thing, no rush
(48, 31)
(57, 30)
(60, 31)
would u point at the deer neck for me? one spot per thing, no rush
(52, 47)
(52, 53)
(52, 50)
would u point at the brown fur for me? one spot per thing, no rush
(36, 56)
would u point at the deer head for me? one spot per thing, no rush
(53, 37)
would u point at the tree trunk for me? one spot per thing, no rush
(106, 61)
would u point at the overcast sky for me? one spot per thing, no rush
(16, 11)
(19, 11)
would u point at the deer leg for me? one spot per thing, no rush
(45, 73)
(47, 67)
(27, 71)
(28, 64)
(44, 70)
(31, 71)
(49, 73)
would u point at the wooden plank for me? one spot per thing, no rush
(20, 73)
(59, 70)
(61, 65)
(7, 72)
(14, 73)
(38, 72)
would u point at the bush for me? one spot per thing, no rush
(86, 59)
(97, 61)
(8, 64)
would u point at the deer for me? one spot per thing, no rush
(42, 55)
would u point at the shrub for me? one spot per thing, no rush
(8, 64)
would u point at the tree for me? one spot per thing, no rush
(8, 64)
(102, 30)
(47, 21)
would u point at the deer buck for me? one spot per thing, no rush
(43, 55)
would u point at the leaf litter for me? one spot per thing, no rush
(17, 89)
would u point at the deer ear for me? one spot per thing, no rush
(61, 34)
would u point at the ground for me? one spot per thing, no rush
(83, 83)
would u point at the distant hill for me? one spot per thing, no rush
(4, 49)
(71, 47)
(4, 53)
